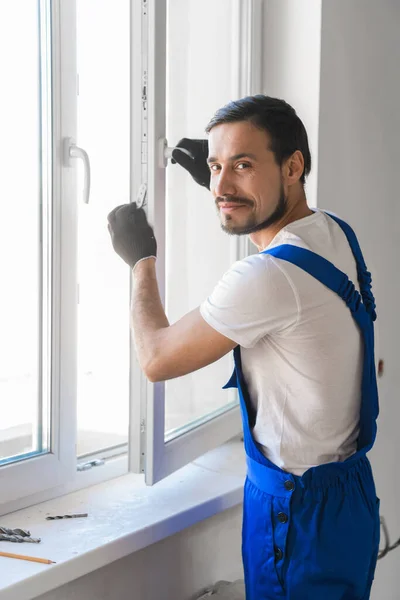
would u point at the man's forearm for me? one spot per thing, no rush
(147, 313)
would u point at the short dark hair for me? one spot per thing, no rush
(275, 116)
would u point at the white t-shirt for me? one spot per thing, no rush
(302, 352)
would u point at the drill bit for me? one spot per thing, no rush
(20, 532)
(4, 537)
(52, 518)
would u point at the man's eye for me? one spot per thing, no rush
(214, 167)
(242, 166)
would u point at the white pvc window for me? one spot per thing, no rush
(197, 252)
(37, 430)
(24, 314)
(84, 125)
(191, 65)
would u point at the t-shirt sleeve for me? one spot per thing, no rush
(253, 299)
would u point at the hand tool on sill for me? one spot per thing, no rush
(45, 561)
(72, 516)
(17, 535)
(21, 532)
(4, 537)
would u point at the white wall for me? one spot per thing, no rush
(292, 32)
(173, 569)
(359, 132)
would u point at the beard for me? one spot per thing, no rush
(251, 226)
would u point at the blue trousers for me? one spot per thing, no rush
(311, 537)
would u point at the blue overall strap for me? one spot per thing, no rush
(363, 275)
(323, 270)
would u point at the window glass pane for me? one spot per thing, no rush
(25, 155)
(202, 75)
(103, 315)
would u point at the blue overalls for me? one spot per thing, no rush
(314, 537)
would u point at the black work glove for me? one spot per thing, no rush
(131, 235)
(196, 166)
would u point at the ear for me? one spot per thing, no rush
(294, 167)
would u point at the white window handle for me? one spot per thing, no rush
(165, 152)
(71, 150)
(168, 151)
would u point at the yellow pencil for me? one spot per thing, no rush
(31, 558)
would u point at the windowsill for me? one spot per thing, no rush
(124, 515)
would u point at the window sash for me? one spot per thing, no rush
(157, 458)
(42, 472)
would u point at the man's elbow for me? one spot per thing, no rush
(153, 377)
(163, 369)
(154, 372)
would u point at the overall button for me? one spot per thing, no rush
(282, 518)
(289, 485)
(278, 554)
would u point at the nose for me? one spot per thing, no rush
(222, 184)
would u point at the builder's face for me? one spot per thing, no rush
(246, 181)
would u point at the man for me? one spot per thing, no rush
(302, 335)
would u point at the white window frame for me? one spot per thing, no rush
(159, 458)
(42, 472)
(47, 476)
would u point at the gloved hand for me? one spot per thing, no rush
(196, 166)
(131, 235)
